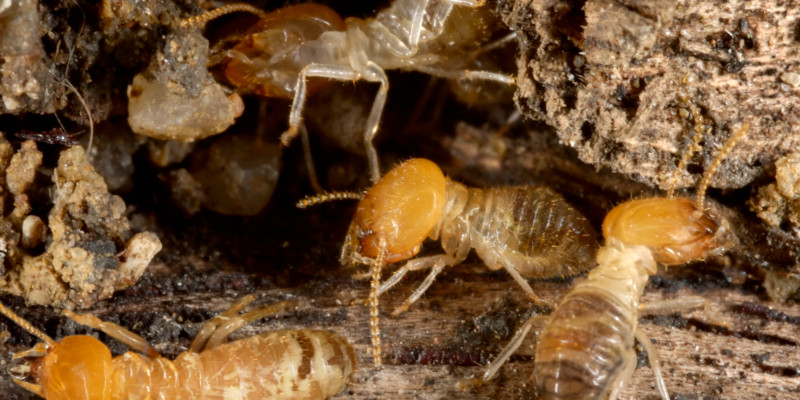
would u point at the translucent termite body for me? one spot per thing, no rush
(289, 364)
(276, 56)
(587, 348)
(530, 231)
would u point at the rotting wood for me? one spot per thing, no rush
(616, 79)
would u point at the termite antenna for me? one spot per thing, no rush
(313, 200)
(726, 148)
(699, 131)
(374, 310)
(202, 19)
(88, 114)
(24, 324)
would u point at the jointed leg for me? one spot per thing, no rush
(683, 304)
(374, 73)
(525, 286)
(415, 265)
(341, 73)
(336, 72)
(437, 265)
(117, 332)
(624, 376)
(510, 349)
(655, 363)
(232, 325)
(209, 327)
(468, 74)
(217, 330)
(312, 170)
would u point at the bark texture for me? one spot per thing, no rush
(621, 81)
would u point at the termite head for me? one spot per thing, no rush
(73, 368)
(397, 214)
(76, 367)
(674, 229)
(265, 62)
(677, 230)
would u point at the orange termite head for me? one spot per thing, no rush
(75, 368)
(397, 214)
(265, 63)
(674, 229)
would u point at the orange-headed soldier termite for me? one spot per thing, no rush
(288, 364)
(530, 231)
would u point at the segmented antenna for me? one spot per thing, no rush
(202, 19)
(699, 131)
(313, 200)
(374, 310)
(726, 148)
(24, 324)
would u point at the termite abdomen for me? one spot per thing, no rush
(533, 225)
(295, 364)
(585, 346)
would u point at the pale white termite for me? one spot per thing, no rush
(287, 46)
(289, 364)
(530, 231)
(586, 350)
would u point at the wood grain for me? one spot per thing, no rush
(465, 319)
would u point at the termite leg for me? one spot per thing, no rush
(220, 335)
(414, 265)
(526, 287)
(624, 376)
(468, 3)
(435, 263)
(683, 304)
(205, 332)
(509, 350)
(117, 332)
(655, 363)
(312, 170)
(373, 73)
(468, 74)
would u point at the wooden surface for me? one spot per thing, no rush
(466, 317)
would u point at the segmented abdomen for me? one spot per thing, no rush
(532, 227)
(585, 347)
(290, 365)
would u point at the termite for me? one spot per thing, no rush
(288, 364)
(278, 54)
(530, 231)
(586, 350)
